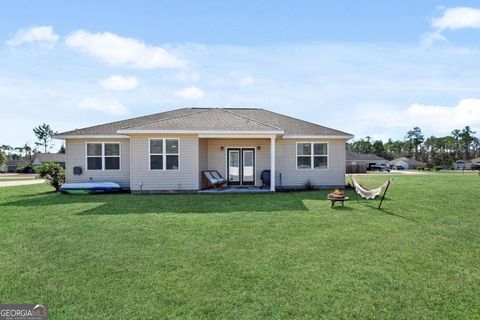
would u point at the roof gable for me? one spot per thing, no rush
(203, 120)
(408, 160)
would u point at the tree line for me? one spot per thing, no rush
(460, 144)
(44, 135)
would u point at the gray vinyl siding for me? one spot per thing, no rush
(286, 165)
(202, 158)
(185, 179)
(217, 159)
(75, 154)
(203, 154)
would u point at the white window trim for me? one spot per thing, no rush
(312, 156)
(164, 154)
(103, 155)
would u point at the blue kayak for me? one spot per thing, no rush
(90, 187)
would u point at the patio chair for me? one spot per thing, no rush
(214, 179)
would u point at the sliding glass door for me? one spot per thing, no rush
(241, 166)
(248, 166)
(233, 166)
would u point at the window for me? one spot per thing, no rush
(156, 154)
(94, 156)
(304, 156)
(103, 156)
(320, 155)
(112, 156)
(172, 154)
(164, 154)
(312, 155)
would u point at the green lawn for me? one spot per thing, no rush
(284, 255)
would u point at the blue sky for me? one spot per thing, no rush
(373, 68)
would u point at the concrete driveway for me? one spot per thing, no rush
(19, 183)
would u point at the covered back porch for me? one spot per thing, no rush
(240, 159)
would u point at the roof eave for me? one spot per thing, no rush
(320, 136)
(90, 136)
(244, 132)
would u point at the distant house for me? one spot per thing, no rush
(406, 163)
(368, 160)
(12, 165)
(476, 163)
(473, 164)
(41, 158)
(462, 165)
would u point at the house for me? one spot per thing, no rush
(406, 163)
(168, 151)
(12, 165)
(41, 158)
(475, 164)
(364, 159)
(462, 165)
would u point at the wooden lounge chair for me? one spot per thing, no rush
(212, 178)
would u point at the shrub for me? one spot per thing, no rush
(3, 158)
(28, 168)
(52, 173)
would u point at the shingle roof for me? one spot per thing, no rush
(49, 157)
(221, 119)
(353, 156)
(292, 126)
(20, 162)
(112, 127)
(408, 160)
(464, 161)
(206, 119)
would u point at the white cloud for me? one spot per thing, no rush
(434, 118)
(43, 35)
(190, 93)
(246, 81)
(106, 106)
(458, 18)
(120, 51)
(429, 38)
(452, 19)
(466, 112)
(119, 83)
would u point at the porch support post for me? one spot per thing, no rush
(272, 163)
